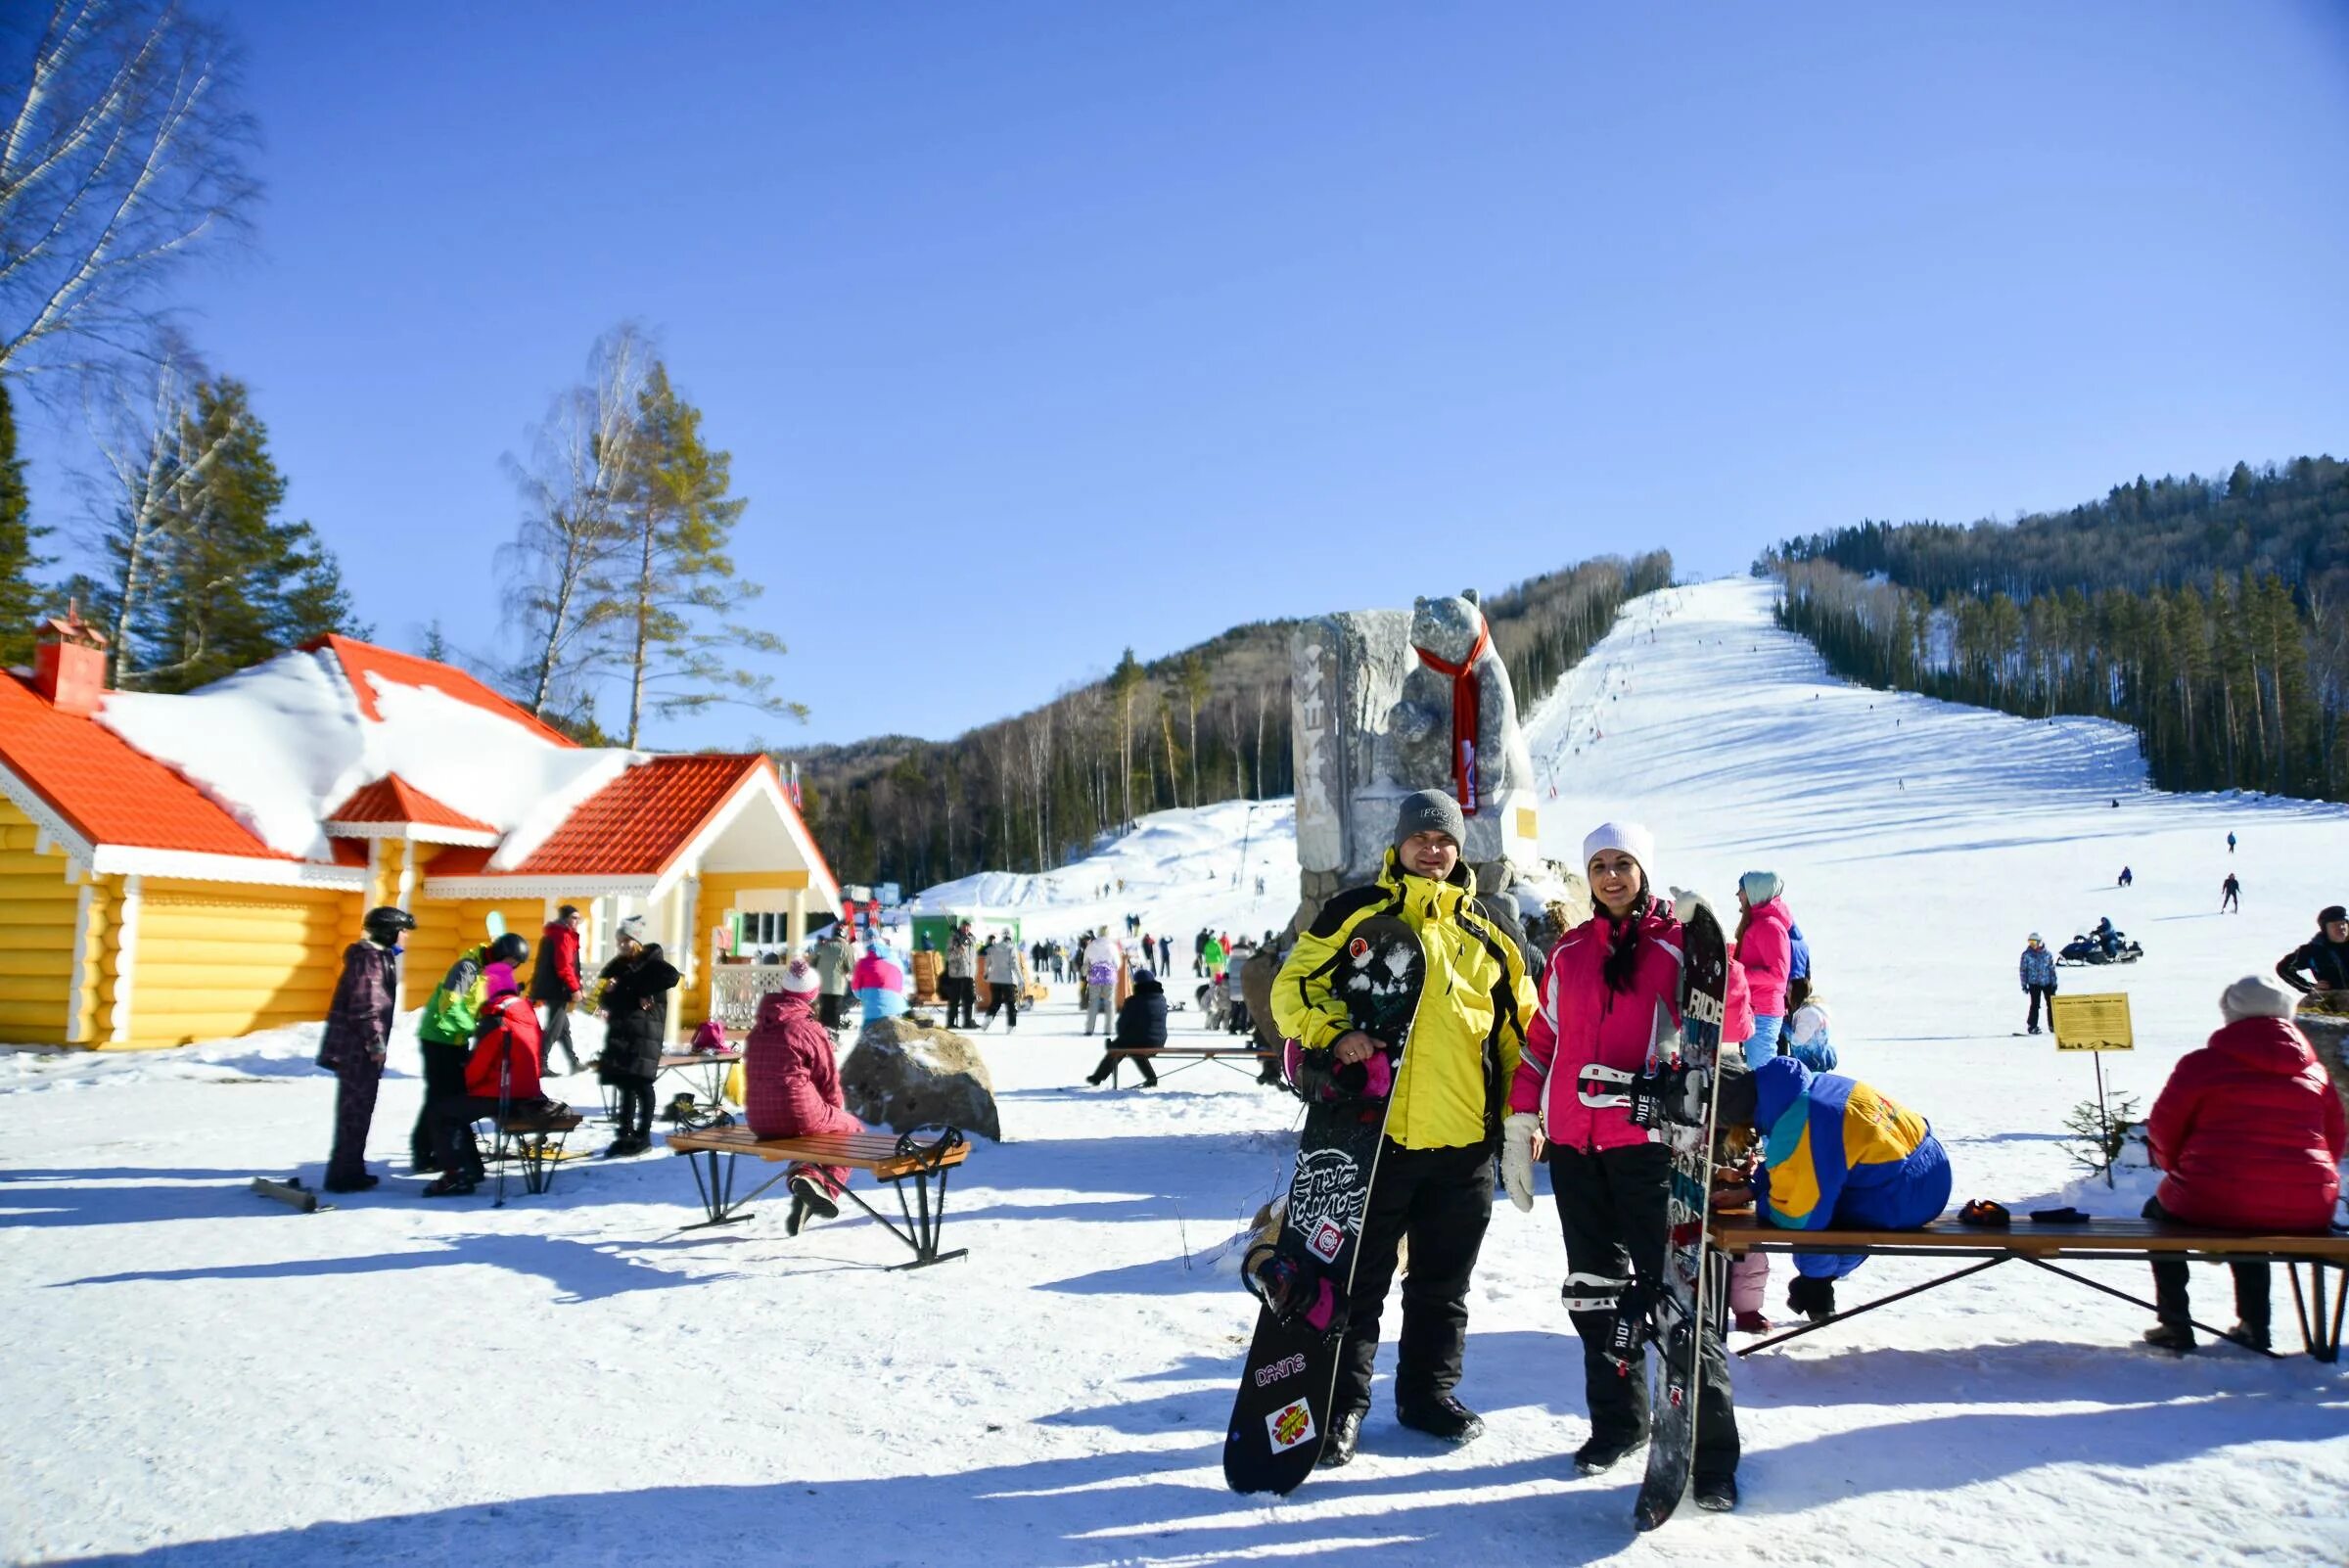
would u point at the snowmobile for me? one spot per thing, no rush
(2086, 949)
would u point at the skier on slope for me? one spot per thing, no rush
(358, 1029)
(2230, 895)
(1433, 1182)
(791, 1089)
(2320, 965)
(1612, 984)
(2038, 970)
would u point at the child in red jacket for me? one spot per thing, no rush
(791, 1089)
(2250, 1135)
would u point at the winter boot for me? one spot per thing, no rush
(448, 1187)
(1752, 1322)
(2176, 1338)
(364, 1180)
(1345, 1433)
(810, 1190)
(1443, 1417)
(1813, 1299)
(1717, 1493)
(2251, 1336)
(1602, 1452)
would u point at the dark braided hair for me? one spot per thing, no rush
(1622, 940)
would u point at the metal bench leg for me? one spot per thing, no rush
(2320, 1335)
(718, 1189)
(2097, 1284)
(1869, 1306)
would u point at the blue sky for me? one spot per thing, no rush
(1038, 330)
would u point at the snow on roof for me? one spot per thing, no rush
(280, 745)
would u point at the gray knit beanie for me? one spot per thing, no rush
(1431, 811)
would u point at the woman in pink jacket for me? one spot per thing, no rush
(791, 1089)
(1611, 990)
(1764, 951)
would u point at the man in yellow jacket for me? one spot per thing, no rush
(1435, 1170)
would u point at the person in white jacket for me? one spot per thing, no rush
(1102, 956)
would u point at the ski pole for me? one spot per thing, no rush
(505, 1081)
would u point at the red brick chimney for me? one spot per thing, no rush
(69, 663)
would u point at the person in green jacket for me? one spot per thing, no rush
(444, 1032)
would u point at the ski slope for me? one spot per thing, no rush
(198, 1377)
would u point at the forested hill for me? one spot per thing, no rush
(1207, 723)
(2212, 616)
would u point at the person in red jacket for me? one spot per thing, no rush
(2250, 1136)
(791, 1089)
(500, 1074)
(555, 980)
(1611, 990)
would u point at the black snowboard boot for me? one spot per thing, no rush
(1442, 1416)
(1717, 1493)
(1602, 1452)
(1345, 1433)
(1813, 1299)
(2176, 1338)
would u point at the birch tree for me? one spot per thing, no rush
(160, 463)
(121, 154)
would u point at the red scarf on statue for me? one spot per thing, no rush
(1467, 710)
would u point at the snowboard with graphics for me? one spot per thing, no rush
(1683, 1301)
(1282, 1409)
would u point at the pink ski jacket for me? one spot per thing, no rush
(1765, 952)
(1581, 1022)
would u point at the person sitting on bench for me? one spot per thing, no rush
(1836, 1154)
(791, 1089)
(1141, 1024)
(501, 1080)
(2250, 1135)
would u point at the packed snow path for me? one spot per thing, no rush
(199, 1376)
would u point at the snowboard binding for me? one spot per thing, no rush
(1295, 1294)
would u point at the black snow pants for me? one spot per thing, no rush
(635, 1100)
(2039, 994)
(1611, 1205)
(1443, 1200)
(355, 1089)
(443, 1078)
(2251, 1281)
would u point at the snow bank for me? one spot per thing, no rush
(282, 744)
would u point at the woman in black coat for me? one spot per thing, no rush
(1141, 1024)
(635, 1010)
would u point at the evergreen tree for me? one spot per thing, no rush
(20, 535)
(675, 591)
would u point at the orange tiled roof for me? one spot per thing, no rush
(392, 798)
(360, 660)
(631, 827)
(109, 790)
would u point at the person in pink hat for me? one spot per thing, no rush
(792, 1087)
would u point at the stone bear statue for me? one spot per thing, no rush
(1438, 745)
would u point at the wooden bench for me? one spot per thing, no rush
(537, 1142)
(1119, 1056)
(891, 1158)
(2100, 1240)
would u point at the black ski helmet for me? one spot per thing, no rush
(385, 922)
(509, 949)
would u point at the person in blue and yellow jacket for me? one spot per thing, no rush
(1435, 1170)
(1836, 1154)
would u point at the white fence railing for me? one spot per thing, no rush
(734, 993)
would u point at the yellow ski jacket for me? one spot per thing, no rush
(1453, 1087)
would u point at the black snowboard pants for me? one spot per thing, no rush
(443, 1078)
(2039, 994)
(635, 1100)
(1611, 1205)
(1443, 1200)
(2251, 1282)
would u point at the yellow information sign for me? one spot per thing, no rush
(2099, 1023)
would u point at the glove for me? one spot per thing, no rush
(1517, 1158)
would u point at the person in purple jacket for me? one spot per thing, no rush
(358, 1027)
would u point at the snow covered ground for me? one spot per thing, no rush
(197, 1376)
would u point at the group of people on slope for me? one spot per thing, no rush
(484, 1045)
(2317, 967)
(1493, 1071)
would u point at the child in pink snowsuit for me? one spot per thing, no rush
(1749, 1275)
(792, 1089)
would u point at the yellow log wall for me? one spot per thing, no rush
(215, 959)
(445, 928)
(718, 891)
(37, 909)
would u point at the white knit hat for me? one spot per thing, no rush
(2257, 997)
(1629, 837)
(635, 927)
(799, 979)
